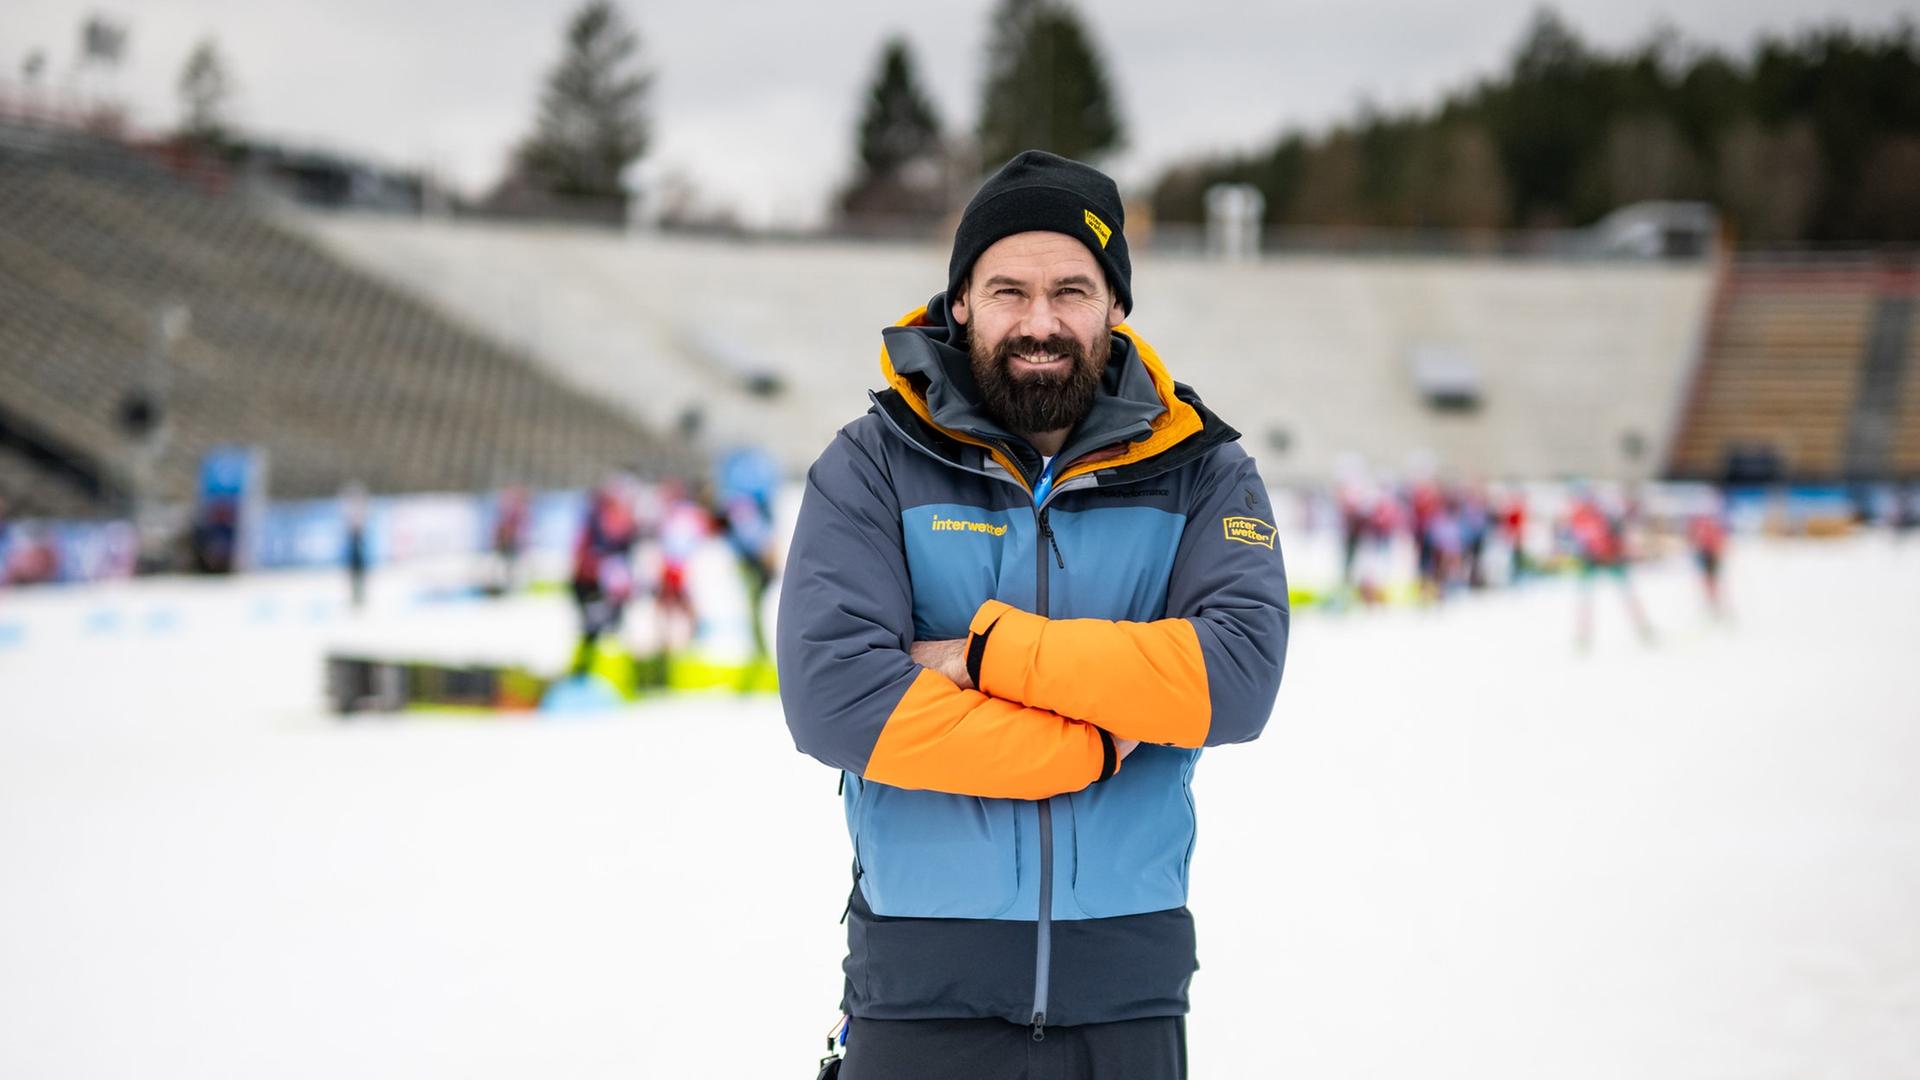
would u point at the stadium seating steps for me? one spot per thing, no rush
(1782, 367)
(339, 376)
(1906, 442)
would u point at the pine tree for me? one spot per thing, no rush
(1548, 118)
(204, 89)
(593, 118)
(899, 126)
(1046, 86)
(902, 162)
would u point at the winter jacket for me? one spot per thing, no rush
(1005, 863)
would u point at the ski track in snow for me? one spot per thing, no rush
(1461, 850)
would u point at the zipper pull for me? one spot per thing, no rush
(1046, 530)
(1039, 1027)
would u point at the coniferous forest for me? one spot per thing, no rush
(1808, 140)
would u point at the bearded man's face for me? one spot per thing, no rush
(1030, 385)
(1039, 319)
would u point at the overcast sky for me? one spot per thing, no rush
(756, 102)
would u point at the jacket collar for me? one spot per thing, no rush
(1136, 413)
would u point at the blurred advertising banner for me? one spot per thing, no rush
(401, 528)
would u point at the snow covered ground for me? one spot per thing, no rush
(1461, 850)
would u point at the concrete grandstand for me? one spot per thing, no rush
(1544, 367)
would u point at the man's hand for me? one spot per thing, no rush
(947, 657)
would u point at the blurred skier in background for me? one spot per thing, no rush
(1707, 536)
(509, 538)
(1424, 505)
(744, 515)
(1598, 537)
(683, 525)
(603, 567)
(1513, 529)
(353, 507)
(1476, 521)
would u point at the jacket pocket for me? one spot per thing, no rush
(927, 854)
(1133, 835)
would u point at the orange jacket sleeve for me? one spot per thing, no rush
(1206, 675)
(942, 738)
(1138, 680)
(854, 697)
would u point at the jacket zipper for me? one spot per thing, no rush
(1043, 926)
(1043, 929)
(1046, 531)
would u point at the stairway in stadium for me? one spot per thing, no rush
(1805, 374)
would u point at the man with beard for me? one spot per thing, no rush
(1024, 591)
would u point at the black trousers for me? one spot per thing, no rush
(1150, 1049)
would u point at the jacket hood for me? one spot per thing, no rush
(1137, 413)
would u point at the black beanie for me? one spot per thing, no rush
(1042, 192)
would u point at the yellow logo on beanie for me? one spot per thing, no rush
(1099, 227)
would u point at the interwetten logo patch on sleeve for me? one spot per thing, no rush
(1099, 228)
(1249, 530)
